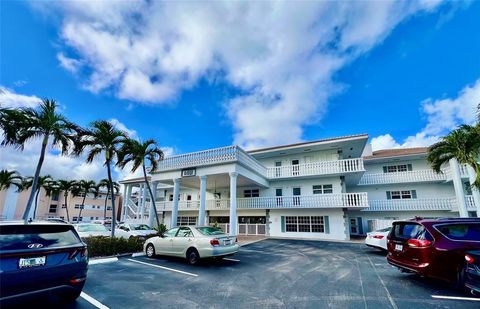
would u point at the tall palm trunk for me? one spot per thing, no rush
(36, 203)
(81, 207)
(152, 199)
(110, 183)
(66, 206)
(105, 206)
(35, 178)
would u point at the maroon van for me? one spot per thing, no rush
(434, 247)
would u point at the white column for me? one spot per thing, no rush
(233, 203)
(203, 193)
(472, 175)
(144, 200)
(176, 192)
(151, 212)
(125, 201)
(458, 186)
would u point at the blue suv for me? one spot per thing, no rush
(38, 258)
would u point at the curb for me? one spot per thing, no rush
(252, 242)
(102, 260)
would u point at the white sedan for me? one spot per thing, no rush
(192, 243)
(139, 230)
(378, 239)
(85, 230)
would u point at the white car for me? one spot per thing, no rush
(139, 230)
(91, 229)
(192, 243)
(378, 239)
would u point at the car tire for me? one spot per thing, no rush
(192, 256)
(71, 296)
(150, 251)
(460, 283)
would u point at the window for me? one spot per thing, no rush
(401, 195)
(291, 224)
(460, 231)
(186, 221)
(397, 168)
(109, 207)
(296, 196)
(75, 219)
(278, 169)
(171, 232)
(295, 167)
(77, 206)
(322, 189)
(55, 196)
(184, 232)
(305, 224)
(251, 193)
(170, 197)
(252, 220)
(53, 208)
(63, 206)
(403, 231)
(468, 188)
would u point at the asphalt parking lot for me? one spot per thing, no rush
(268, 274)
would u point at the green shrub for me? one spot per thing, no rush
(106, 246)
(162, 228)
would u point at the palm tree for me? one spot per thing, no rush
(137, 152)
(102, 137)
(85, 187)
(104, 184)
(66, 186)
(22, 125)
(462, 144)
(10, 178)
(44, 182)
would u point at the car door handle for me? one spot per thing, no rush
(189, 239)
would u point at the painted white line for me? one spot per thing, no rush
(166, 268)
(392, 302)
(233, 260)
(138, 254)
(102, 261)
(93, 301)
(456, 298)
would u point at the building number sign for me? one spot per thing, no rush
(189, 172)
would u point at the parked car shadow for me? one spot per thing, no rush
(208, 262)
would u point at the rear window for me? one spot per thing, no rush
(91, 228)
(405, 231)
(210, 231)
(460, 231)
(20, 236)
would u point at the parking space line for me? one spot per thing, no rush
(392, 302)
(165, 268)
(456, 297)
(233, 260)
(93, 301)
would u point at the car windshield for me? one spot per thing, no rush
(92, 228)
(210, 230)
(20, 236)
(140, 227)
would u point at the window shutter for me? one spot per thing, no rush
(283, 224)
(389, 195)
(409, 167)
(360, 225)
(414, 193)
(384, 169)
(327, 225)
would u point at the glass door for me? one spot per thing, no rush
(296, 196)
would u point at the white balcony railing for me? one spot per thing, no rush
(340, 200)
(245, 229)
(413, 204)
(211, 157)
(316, 168)
(402, 177)
(470, 203)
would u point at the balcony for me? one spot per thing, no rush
(316, 168)
(470, 203)
(402, 177)
(221, 155)
(413, 204)
(340, 200)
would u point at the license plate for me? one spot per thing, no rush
(227, 242)
(32, 262)
(398, 247)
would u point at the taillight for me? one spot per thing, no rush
(214, 242)
(378, 236)
(419, 243)
(74, 253)
(469, 259)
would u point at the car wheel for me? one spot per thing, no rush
(192, 256)
(150, 250)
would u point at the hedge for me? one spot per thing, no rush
(107, 246)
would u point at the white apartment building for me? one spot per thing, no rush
(326, 189)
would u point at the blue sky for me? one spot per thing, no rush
(404, 74)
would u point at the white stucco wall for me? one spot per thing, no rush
(424, 190)
(325, 155)
(335, 218)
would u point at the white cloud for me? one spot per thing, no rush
(442, 115)
(9, 98)
(280, 56)
(121, 126)
(69, 64)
